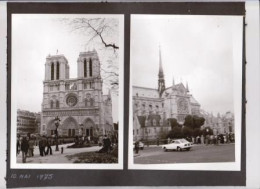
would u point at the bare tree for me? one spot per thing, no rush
(101, 34)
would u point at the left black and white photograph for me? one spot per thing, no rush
(66, 91)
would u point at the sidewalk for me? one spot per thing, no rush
(56, 156)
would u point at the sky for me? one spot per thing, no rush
(198, 50)
(34, 37)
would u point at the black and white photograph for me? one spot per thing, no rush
(67, 91)
(186, 92)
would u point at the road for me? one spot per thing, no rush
(197, 154)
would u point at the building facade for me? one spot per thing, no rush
(27, 122)
(152, 108)
(220, 124)
(79, 103)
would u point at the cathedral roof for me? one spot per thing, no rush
(193, 100)
(154, 116)
(145, 92)
(141, 120)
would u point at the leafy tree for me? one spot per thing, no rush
(163, 134)
(186, 131)
(176, 132)
(198, 121)
(207, 131)
(188, 122)
(173, 122)
(197, 132)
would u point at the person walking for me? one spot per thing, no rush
(24, 148)
(137, 147)
(31, 147)
(42, 144)
(18, 145)
(48, 144)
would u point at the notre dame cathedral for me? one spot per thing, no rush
(79, 103)
(153, 107)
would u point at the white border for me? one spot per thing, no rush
(119, 165)
(228, 166)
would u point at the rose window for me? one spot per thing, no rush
(71, 100)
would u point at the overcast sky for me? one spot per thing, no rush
(196, 49)
(34, 37)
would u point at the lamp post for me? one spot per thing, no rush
(57, 123)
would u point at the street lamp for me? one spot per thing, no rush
(57, 123)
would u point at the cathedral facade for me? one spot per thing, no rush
(153, 107)
(79, 103)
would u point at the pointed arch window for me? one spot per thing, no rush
(58, 71)
(52, 71)
(85, 68)
(91, 102)
(90, 67)
(51, 104)
(57, 104)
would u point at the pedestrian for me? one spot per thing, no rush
(106, 145)
(42, 144)
(31, 147)
(202, 139)
(169, 140)
(225, 139)
(158, 141)
(18, 145)
(48, 145)
(24, 148)
(137, 147)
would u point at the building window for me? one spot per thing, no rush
(91, 102)
(57, 104)
(85, 68)
(90, 67)
(51, 103)
(137, 131)
(52, 71)
(58, 71)
(133, 132)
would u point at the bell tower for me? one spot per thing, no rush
(88, 65)
(56, 68)
(161, 82)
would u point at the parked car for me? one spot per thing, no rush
(141, 145)
(177, 144)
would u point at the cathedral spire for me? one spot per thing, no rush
(161, 75)
(161, 82)
(173, 83)
(187, 87)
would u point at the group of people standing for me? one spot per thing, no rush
(45, 146)
(26, 145)
(107, 145)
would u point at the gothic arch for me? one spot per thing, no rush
(52, 71)
(90, 67)
(85, 67)
(88, 123)
(69, 123)
(58, 71)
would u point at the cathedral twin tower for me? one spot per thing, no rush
(79, 102)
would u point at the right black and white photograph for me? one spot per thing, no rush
(185, 92)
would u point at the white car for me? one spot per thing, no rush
(177, 144)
